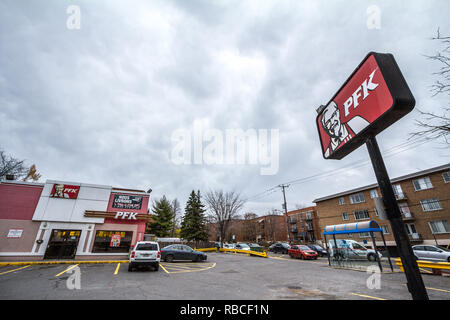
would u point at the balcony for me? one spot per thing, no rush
(407, 216)
(292, 221)
(309, 228)
(415, 237)
(401, 196)
(294, 230)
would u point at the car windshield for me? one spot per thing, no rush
(147, 247)
(243, 245)
(305, 248)
(285, 245)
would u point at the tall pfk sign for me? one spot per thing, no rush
(375, 96)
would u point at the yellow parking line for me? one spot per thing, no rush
(66, 270)
(438, 289)
(14, 270)
(163, 268)
(117, 269)
(365, 296)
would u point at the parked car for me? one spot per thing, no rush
(351, 250)
(181, 252)
(229, 245)
(280, 247)
(145, 254)
(302, 252)
(320, 251)
(432, 253)
(256, 247)
(242, 246)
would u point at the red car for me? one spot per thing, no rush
(302, 252)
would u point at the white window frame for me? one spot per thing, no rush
(363, 235)
(359, 196)
(424, 183)
(341, 201)
(443, 222)
(373, 193)
(364, 211)
(428, 201)
(446, 174)
(346, 215)
(376, 212)
(385, 229)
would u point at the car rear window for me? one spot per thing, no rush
(147, 247)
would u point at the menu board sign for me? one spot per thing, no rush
(123, 201)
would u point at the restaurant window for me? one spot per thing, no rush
(112, 241)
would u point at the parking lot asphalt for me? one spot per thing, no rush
(223, 276)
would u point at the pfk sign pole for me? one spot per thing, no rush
(375, 96)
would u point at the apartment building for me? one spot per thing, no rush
(304, 225)
(423, 198)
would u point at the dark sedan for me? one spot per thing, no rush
(320, 251)
(181, 252)
(279, 247)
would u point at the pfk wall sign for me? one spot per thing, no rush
(375, 96)
(123, 201)
(65, 191)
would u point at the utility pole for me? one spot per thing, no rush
(283, 186)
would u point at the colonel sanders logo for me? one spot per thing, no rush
(339, 132)
(64, 191)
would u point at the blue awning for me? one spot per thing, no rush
(357, 227)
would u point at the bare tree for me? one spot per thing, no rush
(12, 166)
(176, 209)
(435, 125)
(223, 208)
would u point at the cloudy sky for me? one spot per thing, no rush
(99, 103)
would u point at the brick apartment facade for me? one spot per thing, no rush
(269, 228)
(304, 225)
(423, 198)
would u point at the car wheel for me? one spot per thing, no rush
(371, 257)
(130, 268)
(169, 258)
(156, 267)
(448, 259)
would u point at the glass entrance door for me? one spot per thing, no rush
(63, 244)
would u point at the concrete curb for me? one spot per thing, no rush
(20, 263)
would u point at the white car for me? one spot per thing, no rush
(242, 246)
(431, 252)
(145, 254)
(350, 249)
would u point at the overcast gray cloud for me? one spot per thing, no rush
(100, 104)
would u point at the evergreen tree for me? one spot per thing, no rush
(163, 219)
(193, 226)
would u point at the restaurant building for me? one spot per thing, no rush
(69, 220)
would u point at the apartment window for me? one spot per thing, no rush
(404, 209)
(441, 226)
(422, 184)
(373, 193)
(299, 217)
(357, 198)
(364, 235)
(345, 216)
(292, 218)
(361, 215)
(446, 176)
(309, 215)
(385, 229)
(376, 212)
(431, 204)
(341, 201)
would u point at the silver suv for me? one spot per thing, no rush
(432, 253)
(145, 254)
